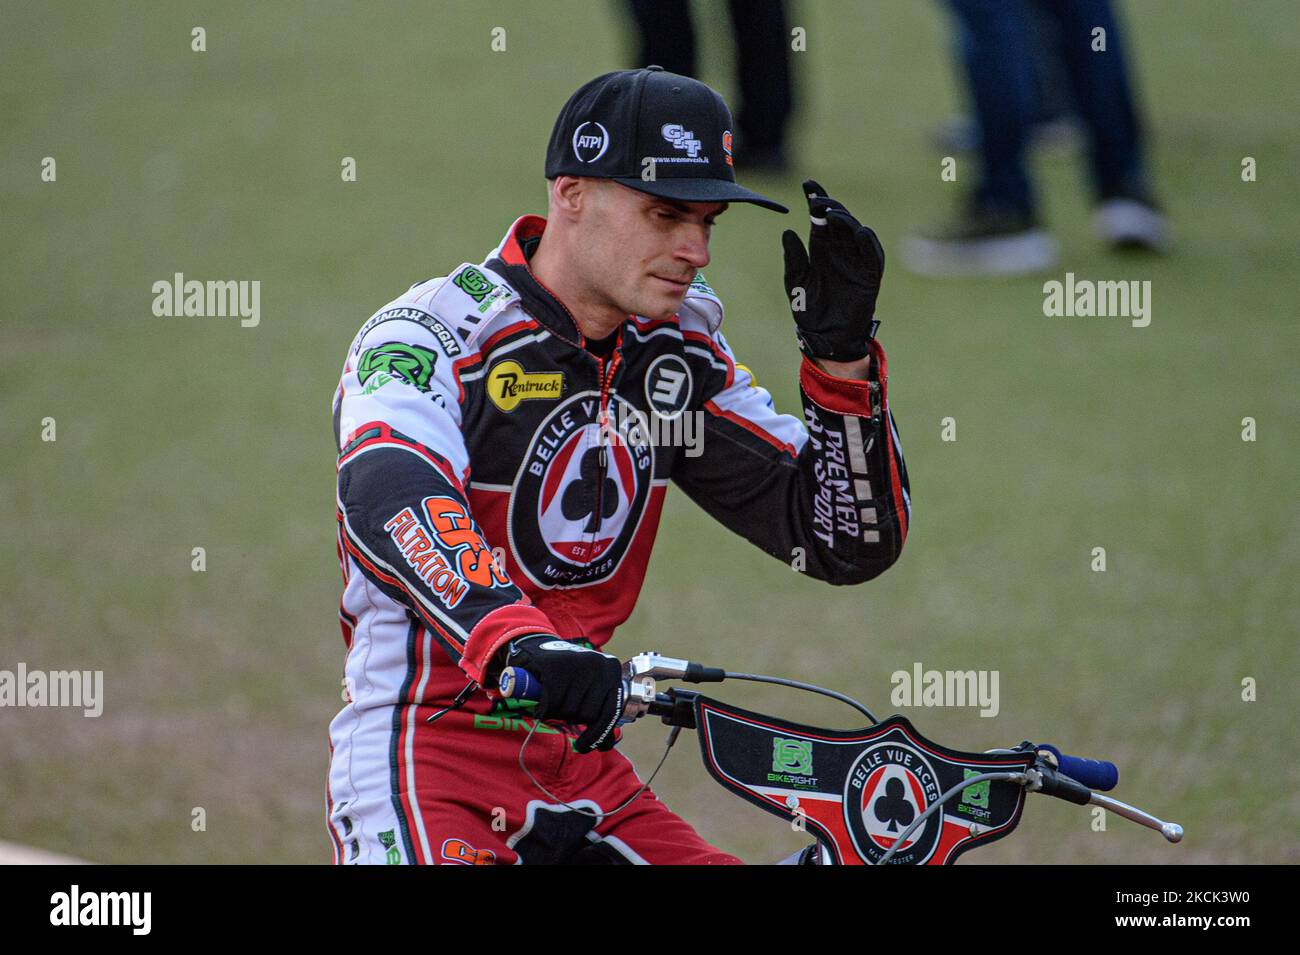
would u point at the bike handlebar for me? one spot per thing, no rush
(1072, 778)
(1093, 773)
(517, 683)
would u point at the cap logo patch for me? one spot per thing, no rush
(726, 146)
(590, 140)
(681, 138)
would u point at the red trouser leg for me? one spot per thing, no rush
(647, 832)
(466, 801)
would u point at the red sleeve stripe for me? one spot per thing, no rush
(717, 353)
(713, 347)
(338, 549)
(891, 452)
(385, 436)
(446, 638)
(459, 366)
(887, 426)
(879, 351)
(470, 361)
(347, 625)
(526, 324)
(750, 426)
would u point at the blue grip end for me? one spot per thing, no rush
(516, 683)
(1093, 773)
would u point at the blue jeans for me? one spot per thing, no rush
(998, 49)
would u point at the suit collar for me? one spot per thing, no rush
(510, 261)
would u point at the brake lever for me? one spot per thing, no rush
(639, 675)
(641, 692)
(1046, 778)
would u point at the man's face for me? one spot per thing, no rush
(641, 252)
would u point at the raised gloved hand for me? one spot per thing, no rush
(578, 686)
(836, 280)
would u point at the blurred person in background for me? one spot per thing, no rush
(999, 230)
(1055, 121)
(667, 37)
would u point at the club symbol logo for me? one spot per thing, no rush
(579, 495)
(893, 808)
(890, 786)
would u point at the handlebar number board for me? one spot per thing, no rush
(859, 790)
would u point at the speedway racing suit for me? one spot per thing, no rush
(477, 503)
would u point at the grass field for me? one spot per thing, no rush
(1072, 433)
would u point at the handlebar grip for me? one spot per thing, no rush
(1093, 773)
(516, 683)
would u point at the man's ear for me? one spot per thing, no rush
(568, 193)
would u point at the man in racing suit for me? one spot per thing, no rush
(497, 501)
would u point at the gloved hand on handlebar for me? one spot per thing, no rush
(578, 686)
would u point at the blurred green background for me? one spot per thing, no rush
(176, 433)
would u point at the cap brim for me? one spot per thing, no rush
(701, 190)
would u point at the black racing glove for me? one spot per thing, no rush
(578, 686)
(839, 277)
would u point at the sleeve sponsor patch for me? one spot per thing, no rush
(412, 364)
(474, 283)
(450, 530)
(419, 317)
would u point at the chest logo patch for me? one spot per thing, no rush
(668, 385)
(577, 500)
(508, 384)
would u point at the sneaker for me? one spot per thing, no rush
(1125, 222)
(983, 242)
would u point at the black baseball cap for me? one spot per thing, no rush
(623, 123)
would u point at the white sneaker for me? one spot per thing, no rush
(982, 241)
(1015, 253)
(1131, 224)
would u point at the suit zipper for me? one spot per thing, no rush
(602, 458)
